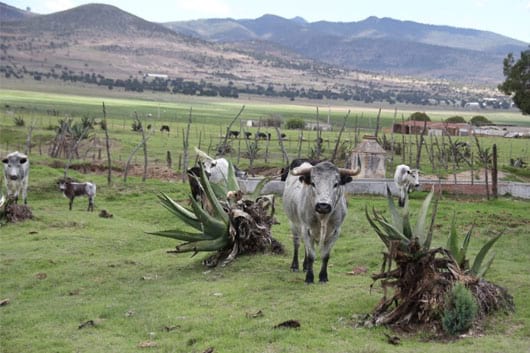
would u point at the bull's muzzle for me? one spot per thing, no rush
(323, 208)
(13, 177)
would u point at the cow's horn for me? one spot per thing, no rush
(349, 172)
(301, 170)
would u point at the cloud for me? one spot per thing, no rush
(206, 8)
(528, 6)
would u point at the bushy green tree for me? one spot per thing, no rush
(517, 82)
(479, 120)
(419, 116)
(455, 119)
(295, 123)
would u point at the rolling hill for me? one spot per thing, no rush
(375, 44)
(102, 45)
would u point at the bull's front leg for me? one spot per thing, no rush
(296, 245)
(70, 203)
(325, 252)
(309, 257)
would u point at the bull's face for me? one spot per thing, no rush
(413, 177)
(14, 166)
(325, 181)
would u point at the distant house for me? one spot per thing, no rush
(472, 106)
(162, 76)
(432, 128)
(319, 126)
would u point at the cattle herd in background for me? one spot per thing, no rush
(313, 198)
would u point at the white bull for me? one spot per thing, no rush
(406, 180)
(16, 175)
(314, 202)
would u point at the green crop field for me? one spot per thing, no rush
(78, 282)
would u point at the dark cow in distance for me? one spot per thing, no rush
(164, 128)
(233, 133)
(314, 202)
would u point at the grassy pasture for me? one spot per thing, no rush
(210, 118)
(63, 269)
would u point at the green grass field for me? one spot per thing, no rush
(66, 268)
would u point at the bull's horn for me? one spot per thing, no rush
(301, 170)
(349, 172)
(202, 155)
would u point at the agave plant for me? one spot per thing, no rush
(479, 267)
(223, 221)
(400, 229)
(420, 276)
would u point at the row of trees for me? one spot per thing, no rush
(203, 88)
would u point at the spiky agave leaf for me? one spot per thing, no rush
(217, 207)
(419, 230)
(181, 212)
(478, 267)
(397, 218)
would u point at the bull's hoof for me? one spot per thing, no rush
(309, 278)
(323, 278)
(294, 269)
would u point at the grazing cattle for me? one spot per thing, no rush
(233, 133)
(248, 135)
(218, 168)
(314, 202)
(164, 128)
(71, 190)
(283, 136)
(405, 179)
(261, 135)
(16, 175)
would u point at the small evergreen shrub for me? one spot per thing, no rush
(461, 310)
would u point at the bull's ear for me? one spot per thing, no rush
(23, 160)
(345, 179)
(306, 179)
(5, 161)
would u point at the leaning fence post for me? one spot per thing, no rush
(494, 172)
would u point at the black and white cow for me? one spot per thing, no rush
(71, 189)
(16, 175)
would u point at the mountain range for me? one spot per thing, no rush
(365, 60)
(375, 44)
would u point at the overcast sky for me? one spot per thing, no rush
(507, 17)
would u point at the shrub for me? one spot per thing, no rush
(455, 120)
(19, 121)
(419, 116)
(479, 120)
(461, 310)
(295, 123)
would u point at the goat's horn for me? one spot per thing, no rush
(349, 172)
(301, 170)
